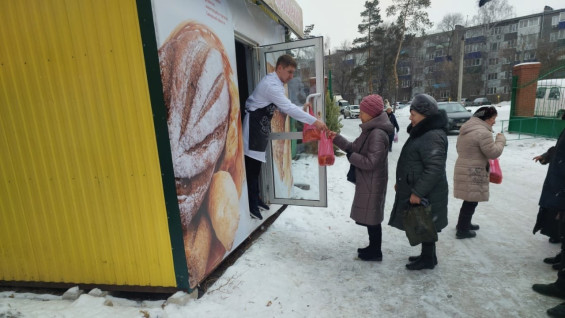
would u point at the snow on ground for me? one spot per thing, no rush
(305, 264)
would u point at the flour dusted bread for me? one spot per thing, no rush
(223, 207)
(197, 88)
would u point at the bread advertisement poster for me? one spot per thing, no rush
(197, 61)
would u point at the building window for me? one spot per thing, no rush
(493, 76)
(439, 53)
(492, 90)
(405, 83)
(494, 46)
(529, 22)
(553, 36)
(529, 55)
(444, 94)
(514, 27)
(493, 61)
(472, 62)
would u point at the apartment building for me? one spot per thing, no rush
(488, 52)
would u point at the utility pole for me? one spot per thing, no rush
(461, 58)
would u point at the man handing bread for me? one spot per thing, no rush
(259, 108)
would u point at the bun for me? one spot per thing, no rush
(197, 242)
(282, 155)
(198, 93)
(223, 207)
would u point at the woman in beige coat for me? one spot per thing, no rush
(475, 146)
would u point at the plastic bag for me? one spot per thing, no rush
(495, 172)
(310, 133)
(326, 155)
(395, 137)
(418, 223)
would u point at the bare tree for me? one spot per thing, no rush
(449, 21)
(411, 18)
(492, 12)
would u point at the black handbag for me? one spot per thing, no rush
(351, 173)
(418, 223)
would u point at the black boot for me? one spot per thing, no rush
(474, 227)
(426, 260)
(415, 258)
(556, 289)
(553, 260)
(464, 227)
(557, 311)
(373, 251)
(465, 234)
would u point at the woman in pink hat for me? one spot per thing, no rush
(369, 155)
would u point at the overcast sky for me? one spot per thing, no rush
(337, 20)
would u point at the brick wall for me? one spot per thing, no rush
(528, 74)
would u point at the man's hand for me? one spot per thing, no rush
(320, 125)
(306, 106)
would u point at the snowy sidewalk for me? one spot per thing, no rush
(305, 264)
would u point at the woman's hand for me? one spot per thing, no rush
(331, 134)
(414, 199)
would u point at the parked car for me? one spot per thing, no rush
(457, 115)
(351, 111)
(481, 101)
(466, 102)
(342, 103)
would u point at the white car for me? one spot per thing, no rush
(351, 111)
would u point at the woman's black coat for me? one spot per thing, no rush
(421, 170)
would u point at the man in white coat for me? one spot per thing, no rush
(259, 108)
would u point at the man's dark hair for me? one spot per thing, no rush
(486, 112)
(286, 61)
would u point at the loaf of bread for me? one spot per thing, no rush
(197, 243)
(198, 89)
(223, 207)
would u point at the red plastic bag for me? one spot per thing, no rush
(326, 155)
(495, 172)
(310, 133)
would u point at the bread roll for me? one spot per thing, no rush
(196, 76)
(197, 242)
(223, 207)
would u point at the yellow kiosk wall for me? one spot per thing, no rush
(81, 196)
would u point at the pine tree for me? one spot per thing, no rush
(333, 121)
(371, 19)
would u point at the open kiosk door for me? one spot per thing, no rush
(292, 174)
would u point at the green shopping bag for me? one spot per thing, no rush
(418, 223)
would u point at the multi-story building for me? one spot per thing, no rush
(431, 63)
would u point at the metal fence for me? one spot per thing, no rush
(532, 127)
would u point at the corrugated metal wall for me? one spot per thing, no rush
(81, 197)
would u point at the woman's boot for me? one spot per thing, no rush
(464, 222)
(373, 251)
(427, 260)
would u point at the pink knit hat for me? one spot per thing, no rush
(372, 105)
